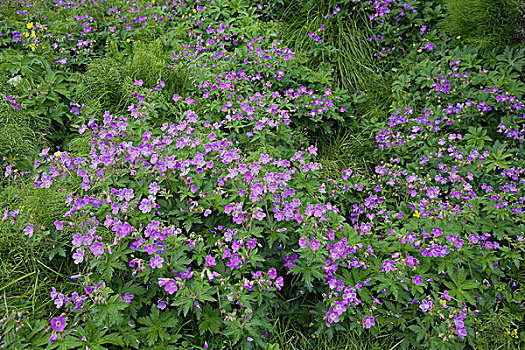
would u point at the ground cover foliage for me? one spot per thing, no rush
(274, 174)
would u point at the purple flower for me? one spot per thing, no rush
(193, 188)
(97, 248)
(272, 273)
(279, 283)
(302, 242)
(59, 225)
(53, 338)
(417, 280)
(333, 317)
(388, 266)
(29, 230)
(314, 244)
(234, 261)
(78, 256)
(252, 243)
(426, 305)
(154, 188)
(210, 261)
(8, 170)
(145, 206)
(369, 321)
(161, 305)
(58, 324)
(127, 298)
(169, 285)
(462, 332)
(125, 229)
(156, 262)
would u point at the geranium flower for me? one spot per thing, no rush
(58, 323)
(417, 280)
(426, 305)
(161, 305)
(53, 338)
(210, 261)
(369, 321)
(29, 230)
(59, 225)
(97, 248)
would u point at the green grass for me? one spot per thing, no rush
(27, 272)
(483, 23)
(345, 40)
(348, 149)
(108, 81)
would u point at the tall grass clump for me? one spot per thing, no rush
(149, 64)
(484, 23)
(20, 134)
(103, 85)
(28, 271)
(344, 45)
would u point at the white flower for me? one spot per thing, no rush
(15, 80)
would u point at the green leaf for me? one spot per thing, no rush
(110, 312)
(211, 320)
(157, 324)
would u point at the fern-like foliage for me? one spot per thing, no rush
(103, 85)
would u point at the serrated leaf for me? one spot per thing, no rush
(211, 320)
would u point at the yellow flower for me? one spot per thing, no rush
(194, 11)
(57, 154)
(416, 214)
(32, 47)
(26, 34)
(414, 45)
(127, 40)
(458, 37)
(189, 15)
(152, 1)
(419, 50)
(33, 34)
(443, 303)
(183, 16)
(29, 25)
